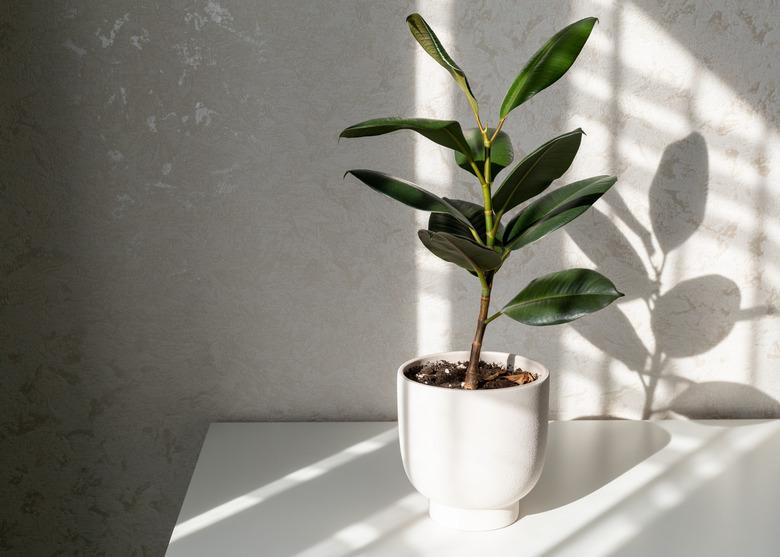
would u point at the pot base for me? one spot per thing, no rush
(474, 519)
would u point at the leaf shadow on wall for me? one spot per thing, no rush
(690, 318)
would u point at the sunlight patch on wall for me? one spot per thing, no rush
(434, 91)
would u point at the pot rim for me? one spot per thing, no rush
(544, 373)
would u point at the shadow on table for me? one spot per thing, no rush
(581, 458)
(331, 507)
(715, 496)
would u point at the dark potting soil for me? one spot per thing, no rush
(452, 375)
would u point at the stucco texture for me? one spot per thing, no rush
(178, 246)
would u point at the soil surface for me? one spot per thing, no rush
(452, 375)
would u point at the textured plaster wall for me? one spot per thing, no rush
(178, 246)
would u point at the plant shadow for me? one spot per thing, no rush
(690, 318)
(565, 479)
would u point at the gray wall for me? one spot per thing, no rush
(178, 246)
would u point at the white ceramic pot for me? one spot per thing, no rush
(474, 454)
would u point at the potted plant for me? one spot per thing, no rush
(473, 424)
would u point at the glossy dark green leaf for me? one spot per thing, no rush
(501, 152)
(548, 64)
(407, 193)
(442, 222)
(461, 251)
(424, 35)
(561, 297)
(444, 132)
(532, 175)
(555, 209)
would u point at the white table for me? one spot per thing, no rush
(609, 488)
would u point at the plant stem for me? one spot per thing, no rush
(471, 381)
(476, 237)
(477, 172)
(498, 129)
(479, 122)
(472, 371)
(491, 233)
(492, 317)
(486, 197)
(496, 222)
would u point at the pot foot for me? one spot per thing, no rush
(474, 519)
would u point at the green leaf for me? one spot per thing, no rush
(554, 210)
(424, 35)
(444, 132)
(501, 152)
(536, 172)
(461, 251)
(548, 64)
(407, 193)
(561, 297)
(442, 222)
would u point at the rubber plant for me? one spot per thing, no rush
(474, 236)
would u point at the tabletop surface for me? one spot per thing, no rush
(609, 488)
